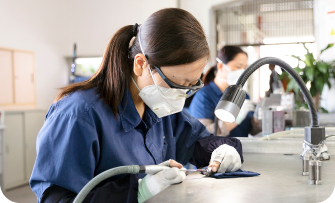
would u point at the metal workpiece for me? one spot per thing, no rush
(209, 171)
(312, 170)
(318, 178)
(305, 167)
(305, 163)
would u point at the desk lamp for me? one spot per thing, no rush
(232, 100)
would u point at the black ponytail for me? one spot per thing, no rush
(210, 75)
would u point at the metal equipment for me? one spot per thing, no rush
(232, 99)
(73, 64)
(312, 170)
(318, 180)
(305, 163)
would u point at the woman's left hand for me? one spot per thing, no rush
(225, 159)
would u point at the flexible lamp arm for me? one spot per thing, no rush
(271, 60)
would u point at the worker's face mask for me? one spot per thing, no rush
(162, 101)
(232, 76)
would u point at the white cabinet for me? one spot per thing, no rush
(13, 150)
(21, 129)
(33, 122)
(17, 79)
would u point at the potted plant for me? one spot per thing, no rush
(317, 72)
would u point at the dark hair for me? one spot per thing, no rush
(169, 37)
(210, 75)
(225, 54)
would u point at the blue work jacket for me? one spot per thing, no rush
(204, 103)
(81, 138)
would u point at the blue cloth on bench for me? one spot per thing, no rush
(237, 174)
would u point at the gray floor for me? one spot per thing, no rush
(21, 195)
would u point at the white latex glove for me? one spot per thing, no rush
(151, 185)
(246, 107)
(225, 159)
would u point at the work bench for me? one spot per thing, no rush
(280, 182)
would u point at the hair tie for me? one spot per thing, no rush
(134, 35)
(135, 29)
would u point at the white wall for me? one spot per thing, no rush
(24, 25)
(49, 28)
(92, 23)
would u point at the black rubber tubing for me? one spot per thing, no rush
(272, 60)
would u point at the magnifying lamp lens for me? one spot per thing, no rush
(225, 116)
(230, 103)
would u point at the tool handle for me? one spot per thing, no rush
(153, 169)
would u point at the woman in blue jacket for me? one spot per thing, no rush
(130, 113)
(231, 62)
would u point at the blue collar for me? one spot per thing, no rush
(215, 89)
(129, 116)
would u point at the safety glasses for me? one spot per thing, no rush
(191, 89)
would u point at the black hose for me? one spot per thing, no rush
(272, 60)
(326, 138)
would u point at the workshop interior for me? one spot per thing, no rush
(167, 101)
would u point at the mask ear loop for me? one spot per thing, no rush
(140, 42)
(226, 67)
(152, 76)
(135, 83)
(157, 86)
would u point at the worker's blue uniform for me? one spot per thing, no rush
(204, 103)
(81, 138)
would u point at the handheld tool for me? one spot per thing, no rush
(132, 169)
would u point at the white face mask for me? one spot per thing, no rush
(232, 76)
(162, 101)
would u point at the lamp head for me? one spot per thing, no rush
(230, 103)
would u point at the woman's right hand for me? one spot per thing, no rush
(151, 185)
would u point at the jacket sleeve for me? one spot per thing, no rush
(195, 144)
(205, 146)
(122, 190)
(67, 154)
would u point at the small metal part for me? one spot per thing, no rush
(312, 170)
(209, 171)
(318, 180)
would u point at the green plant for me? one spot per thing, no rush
(317, 72)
